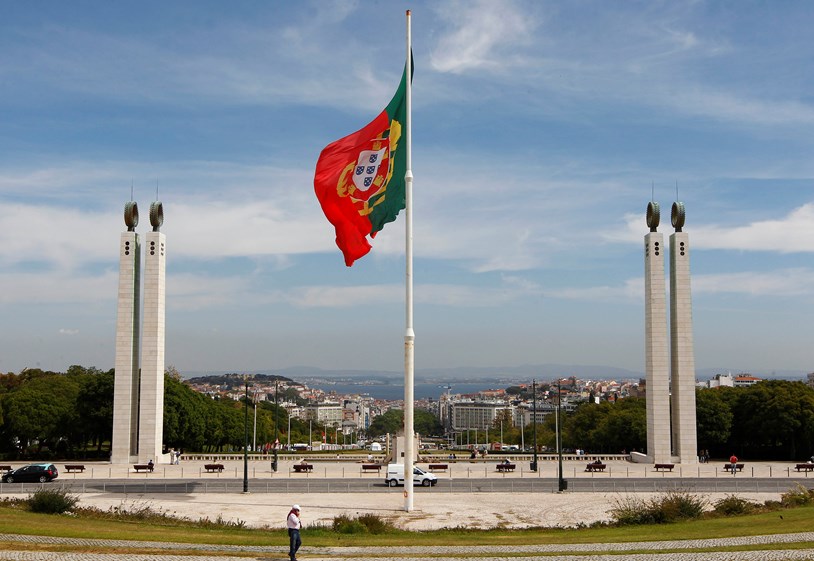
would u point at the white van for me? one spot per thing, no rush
(395, 476)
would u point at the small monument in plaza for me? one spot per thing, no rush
(397, 448)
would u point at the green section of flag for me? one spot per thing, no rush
(394, 197)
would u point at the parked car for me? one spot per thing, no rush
(33, 472)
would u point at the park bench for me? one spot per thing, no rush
(74, 467)
(142, 467)
(5, 468)
(505, 467)
(438, 467)
(303, 468)
(733, 467)
(798, 467)
(371, 467)
(210, 468)
(663, 467)
(595, 467)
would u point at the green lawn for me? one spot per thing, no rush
(17, 521)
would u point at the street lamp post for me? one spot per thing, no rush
(534, 422)
(246, 439)
(562, 485)
(254, 431)
(276, 425)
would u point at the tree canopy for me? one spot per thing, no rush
(392, 422)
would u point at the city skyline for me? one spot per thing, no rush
(541, 132)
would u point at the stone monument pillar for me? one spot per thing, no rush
(655, 343)
(126, 384)
(151, 397)
(685, 444)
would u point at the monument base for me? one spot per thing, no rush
(396, 455)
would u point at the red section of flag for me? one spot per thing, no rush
(352, 228)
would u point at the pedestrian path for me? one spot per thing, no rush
(770, 550)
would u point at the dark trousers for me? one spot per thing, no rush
(294, 542)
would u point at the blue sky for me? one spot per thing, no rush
(540, 130)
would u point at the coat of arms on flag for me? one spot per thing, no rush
(365, 181)
(359, 179)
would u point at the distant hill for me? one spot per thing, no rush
(524, 372)
(543, 372)
(237, 381)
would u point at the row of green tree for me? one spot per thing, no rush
(773, 419)
(51, 414)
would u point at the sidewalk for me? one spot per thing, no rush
(341, 468)
(764, 548)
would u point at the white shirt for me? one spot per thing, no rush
(293, 521)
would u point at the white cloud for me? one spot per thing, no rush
(58, 237)
(235, 211)
(792, 233)
(345, 296)
(781, 283)
(227, 63)
(57, 287)
(482, 35)
(788, 234)
(186, 291)
(735, 107)
(454, 295)
(632, 290)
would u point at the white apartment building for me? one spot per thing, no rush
(524, 414)
(328, 413)
(475, 415)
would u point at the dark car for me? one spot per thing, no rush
(33, 472)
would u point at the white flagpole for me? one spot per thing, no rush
(409, 334)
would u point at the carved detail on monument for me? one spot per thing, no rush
(156, 215)
(653, 215)
(131, 215)
(677, 216)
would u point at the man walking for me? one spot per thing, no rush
(294, 524)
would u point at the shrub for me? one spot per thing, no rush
(772, 505)
(52, 501)
(670, 507)
(629, 511)
(679, 505)
(799, 496)
(344, 524)
(375, 524)
(364, 524)
(734, 506)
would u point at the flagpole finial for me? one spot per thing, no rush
(409, 12)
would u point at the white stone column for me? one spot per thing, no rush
(656, 351)
(126, 384)
(151, 402)
(683, 356)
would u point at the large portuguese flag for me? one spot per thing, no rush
(359, 179)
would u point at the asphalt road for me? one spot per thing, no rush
(464, 485)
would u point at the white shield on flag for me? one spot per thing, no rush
(367, 168)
